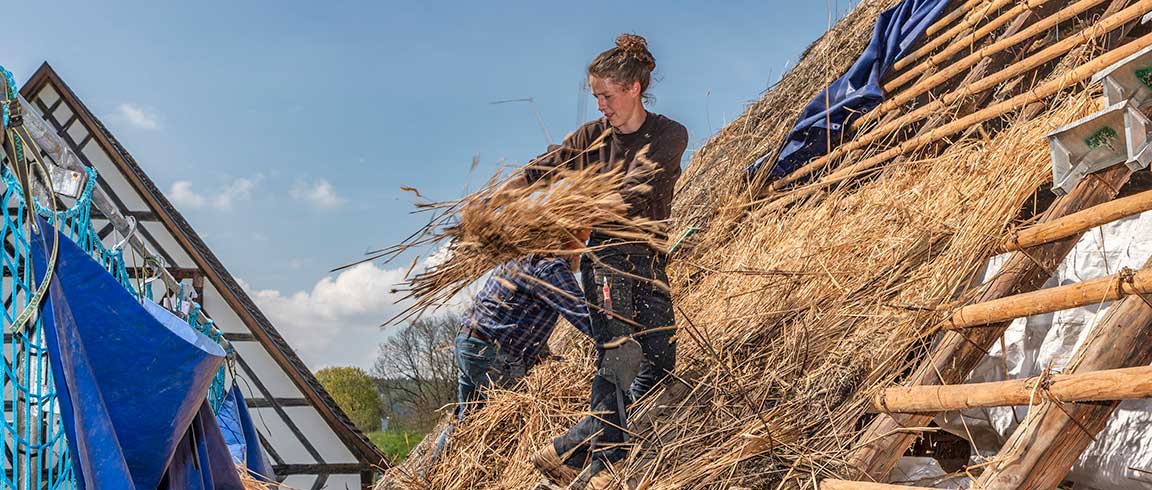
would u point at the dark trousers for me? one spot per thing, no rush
(482, 365)
(628, 297)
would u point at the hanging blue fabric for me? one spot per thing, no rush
(240, 435)
(130, 375)
(824, 119)
(202, 460)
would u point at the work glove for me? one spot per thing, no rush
(620, 361)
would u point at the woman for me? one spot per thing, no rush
(625, 283)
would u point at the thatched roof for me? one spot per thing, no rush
(795, 306)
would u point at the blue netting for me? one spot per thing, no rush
(32, 444)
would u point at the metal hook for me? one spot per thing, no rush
(157, 268)
(128, 236)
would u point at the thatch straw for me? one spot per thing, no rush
(500, 223)
(790, 319)
(786, 332)
(252, 482)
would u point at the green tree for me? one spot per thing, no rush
(355, 393)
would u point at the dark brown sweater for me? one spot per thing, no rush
(666, 140)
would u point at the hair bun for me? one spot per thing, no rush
(632, 43)
(638, 46)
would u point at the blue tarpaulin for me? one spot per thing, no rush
(240, 435)
(201, 460)
(132, 380)
(824, 119)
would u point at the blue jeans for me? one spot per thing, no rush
(623, 284)
(481, 365)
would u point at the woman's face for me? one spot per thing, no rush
(620, 104)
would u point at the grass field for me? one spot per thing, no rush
(395, 444)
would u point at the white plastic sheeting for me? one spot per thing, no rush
(918, 471)
(1124, 447)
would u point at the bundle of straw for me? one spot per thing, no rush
(502, 222)
(253, 482)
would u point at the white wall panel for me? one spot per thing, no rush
(226, 319)
(283, 441)
(108, 173)
(342, 482)
(265, 368)
(47, 95)
(76, 131)
(166, 241)
(62, 114)
(323, 438)
(299, 482)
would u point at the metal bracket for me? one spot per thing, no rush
(1128, 79)
(1117, 134)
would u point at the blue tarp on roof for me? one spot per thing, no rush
(824, 118)
(132, 380)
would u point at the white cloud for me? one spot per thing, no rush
(239, 190)
(337, 322)
(319, 193)
(182, 194)
(138, 117)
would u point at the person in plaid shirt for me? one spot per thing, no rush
(506, 330)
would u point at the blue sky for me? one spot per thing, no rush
(283, 130)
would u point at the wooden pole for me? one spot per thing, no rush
(969, 40)
(884, 441)
(1080, 222)
(951, 17)
(1043, 448)
(1083, 72)
(1025, 65)
(949, 69)
(1107, 385)
(1085, 293)
(1072, 77)
(970, 21)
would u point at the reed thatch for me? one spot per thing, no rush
(790, 317)
(499, 223)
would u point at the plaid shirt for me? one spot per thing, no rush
(520, 302)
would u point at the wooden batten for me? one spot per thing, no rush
(949, 68)
(1041, 92)
(1077, 75)
(1080, 222)
(1086, 293)
(970, 39)
(1107, 385)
